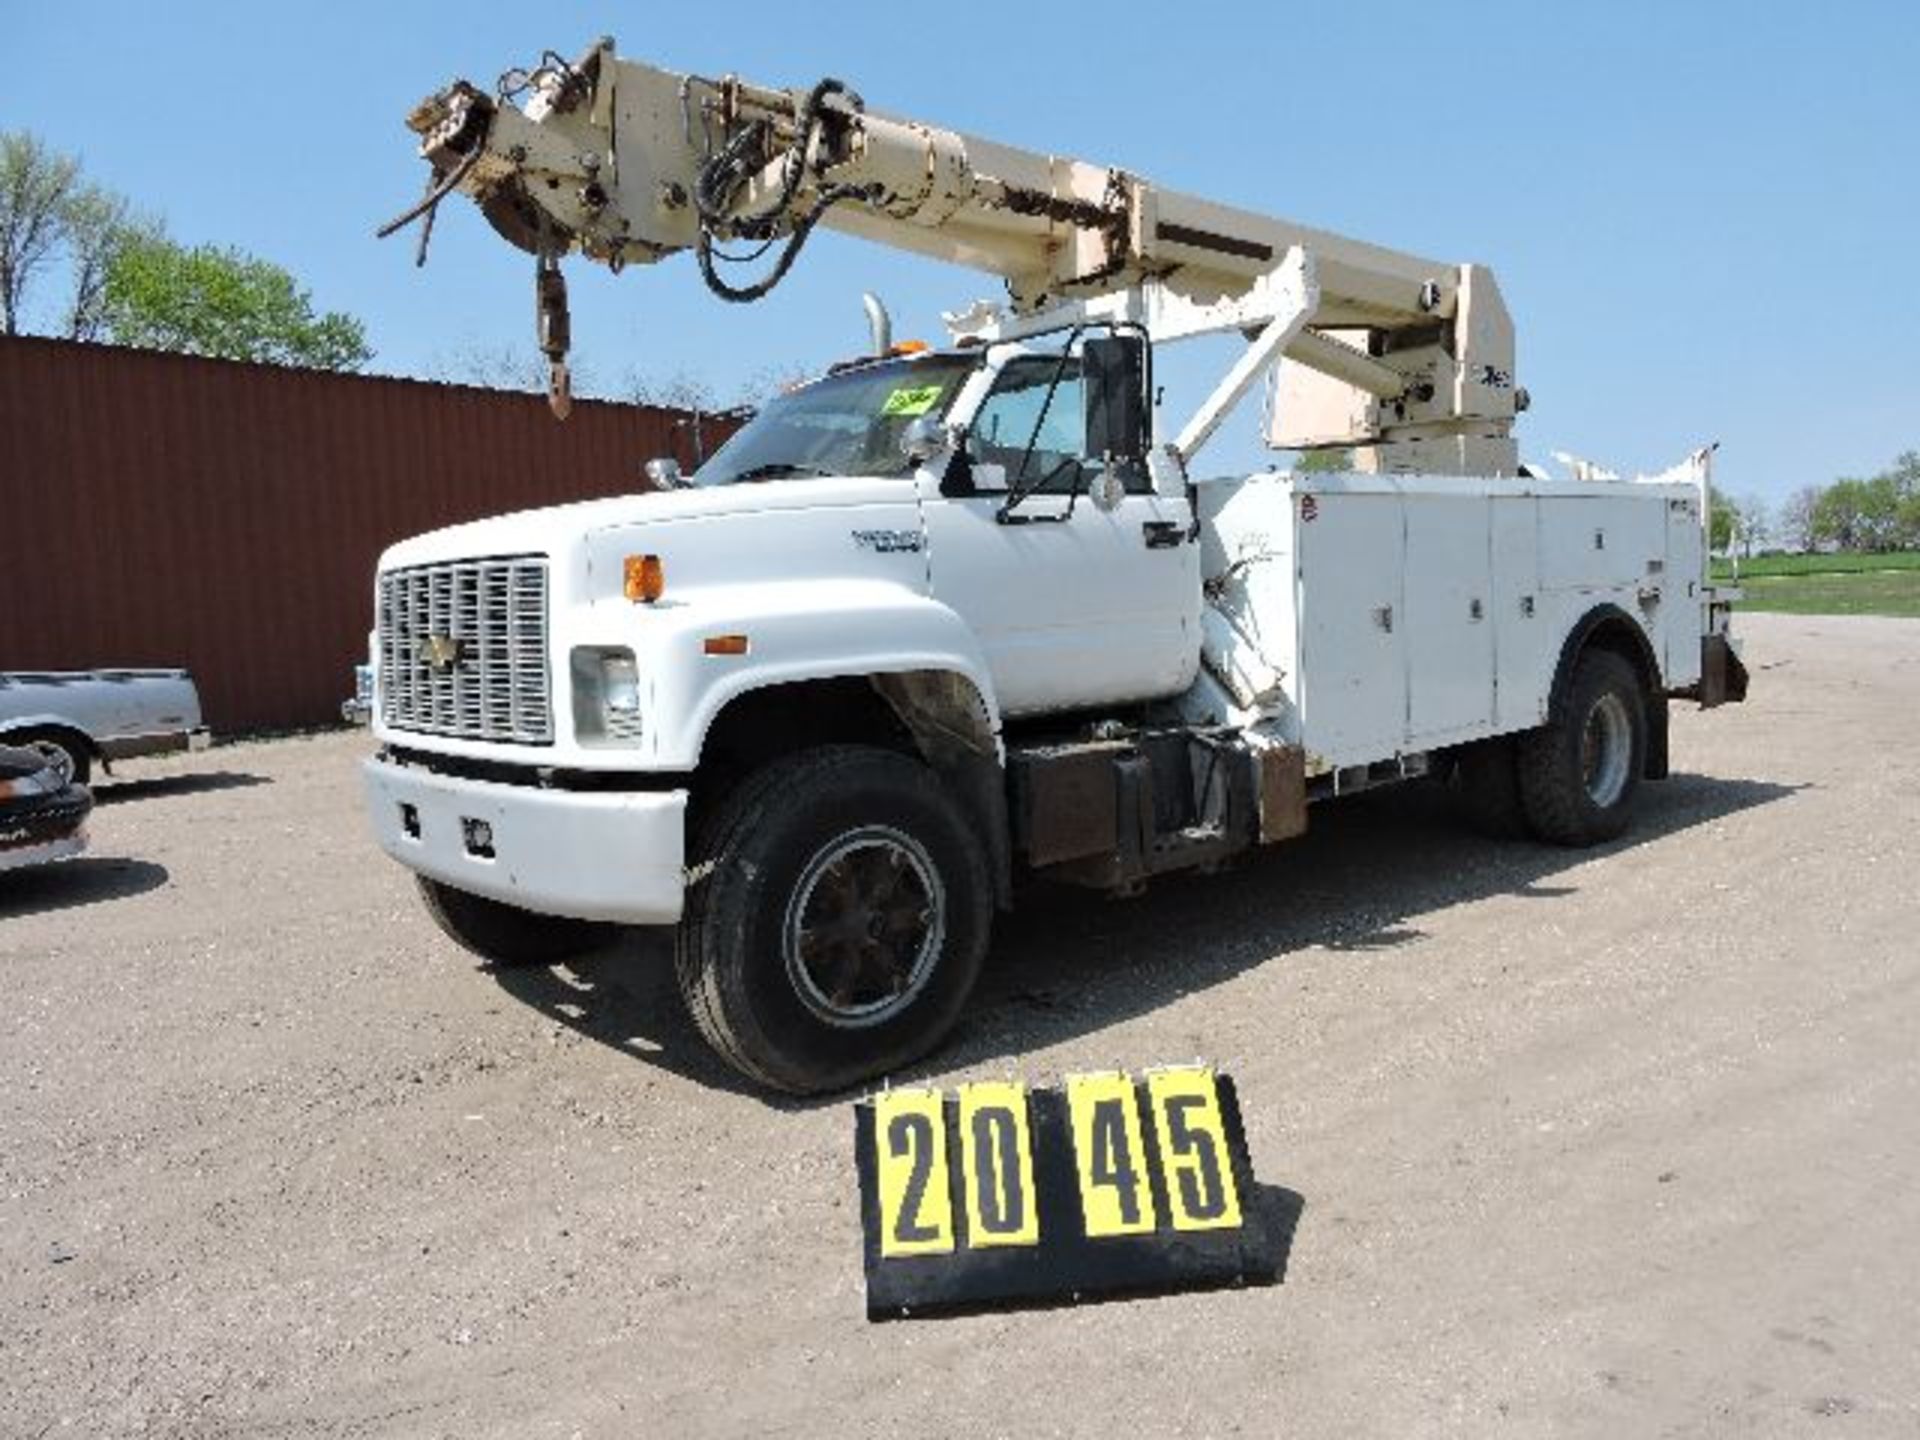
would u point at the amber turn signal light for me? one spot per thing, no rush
(725, 645)
(644, 579)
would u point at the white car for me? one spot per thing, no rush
(42, 816)
(74, 717)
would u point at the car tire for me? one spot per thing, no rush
(505, 934)
(1580, 772)
(66, 752)
(837, 921)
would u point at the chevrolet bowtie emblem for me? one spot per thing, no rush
(441, 652)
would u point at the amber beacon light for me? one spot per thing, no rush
(644, 579)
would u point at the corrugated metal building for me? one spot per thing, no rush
(166, 510)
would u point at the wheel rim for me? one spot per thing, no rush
(1606, 750)
(864, 927)
(59, 759)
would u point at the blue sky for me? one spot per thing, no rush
(1705, 217)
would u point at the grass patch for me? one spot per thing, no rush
(1839, 592)
(1839, 563)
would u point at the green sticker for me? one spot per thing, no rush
(911, 400)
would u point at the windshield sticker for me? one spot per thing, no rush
(912, 400)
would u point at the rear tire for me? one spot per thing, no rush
(505, 934)
(1579, 773)
(840, 920)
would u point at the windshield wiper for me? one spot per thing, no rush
(778, 470)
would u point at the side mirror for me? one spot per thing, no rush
(924, 437)
(1115, 370)
(664, 473)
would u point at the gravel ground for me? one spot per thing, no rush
(1616, 1143)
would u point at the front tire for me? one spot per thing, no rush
(840, 920)
(505, 934)
(1579, 773)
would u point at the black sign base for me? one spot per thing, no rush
(1066, 1266)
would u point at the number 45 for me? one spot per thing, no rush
(1190, 1138)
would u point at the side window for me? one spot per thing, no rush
(1007, 419)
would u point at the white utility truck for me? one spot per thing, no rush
(944, 617)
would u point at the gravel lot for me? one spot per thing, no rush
(1623, 1143)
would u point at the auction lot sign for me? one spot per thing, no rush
(998, 1194)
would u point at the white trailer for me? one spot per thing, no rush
(944, 616)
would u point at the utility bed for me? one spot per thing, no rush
(1375, 616)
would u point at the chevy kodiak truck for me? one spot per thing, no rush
(944, 617)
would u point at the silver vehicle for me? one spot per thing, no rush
(42, 817)
(358, 709)
(75, 717)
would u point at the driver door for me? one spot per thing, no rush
(1075, 605)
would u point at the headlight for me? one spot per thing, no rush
(606, 695)
(619, 683)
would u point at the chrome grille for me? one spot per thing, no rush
(485, 621)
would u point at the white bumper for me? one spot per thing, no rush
(618, 856)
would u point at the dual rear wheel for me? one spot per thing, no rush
(1573, 780)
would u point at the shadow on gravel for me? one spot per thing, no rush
(625, 996)
(71, 884)
(1070, 962)
(160, 787)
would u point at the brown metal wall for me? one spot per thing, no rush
(166, 510)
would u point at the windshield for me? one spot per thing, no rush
(845, 424)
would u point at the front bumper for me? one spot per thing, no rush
(592, 855)
(45, 828)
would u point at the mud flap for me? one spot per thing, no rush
(1723, 676)
(1657, 748)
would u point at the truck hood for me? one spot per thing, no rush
(557, 529)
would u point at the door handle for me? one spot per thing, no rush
(1163, 534)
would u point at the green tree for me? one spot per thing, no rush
(97, 224)
(1905, 476)
(36, 184)
(1839, 517)
(1798, 530)
(224, 303)
(1723, 523)
(1879, 513)
(1318, 462)
(1756, 524)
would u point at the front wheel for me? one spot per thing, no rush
(505, 934)
(1579, 773)
(839, 921)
